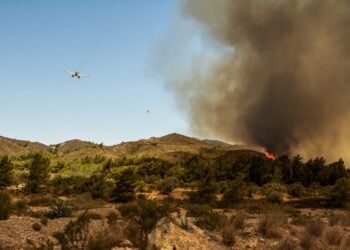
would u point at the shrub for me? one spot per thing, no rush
(296, 190)
(59, 209)
(44, 221)
(205, 193)
(307, 241)
(228, 235)
(39, 168)
(143, 216)
(272, 187)
(340, 193)
(43, 201)
(232, 194)
(98, 242)
(124, 186)
(252, 189)
(112, 218)
(269, 224)
(206, 218)
(5, 172)
(19, 177)
(166, 186)
(67, 185)
(105, 240)
(274, 192)
(275, 197)
(334, 236)
(37, 214)
(48, 245)
(286, 244)
(345, 243)
(58, 167)
(98, 186)
(300, 220)
(141, 186)
(75, 234)
(184, 223)
(95, 216)
(5, 205)
(36, 226)
(315, 228)
(21, 205)
(255, 207)
(339, 219)
(239, 220)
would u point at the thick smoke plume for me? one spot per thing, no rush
(283, 82)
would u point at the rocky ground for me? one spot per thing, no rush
(284, 231)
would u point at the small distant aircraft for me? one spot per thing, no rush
(148, 111)
(76, 74)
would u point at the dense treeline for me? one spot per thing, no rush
(118, 180)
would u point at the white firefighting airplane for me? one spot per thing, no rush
(76, 74)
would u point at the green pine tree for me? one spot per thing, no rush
(5, 172)
(39, 168)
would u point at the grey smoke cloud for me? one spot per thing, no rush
(283, 82)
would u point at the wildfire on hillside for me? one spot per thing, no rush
(270, 155)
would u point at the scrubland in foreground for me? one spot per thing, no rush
(186, 196)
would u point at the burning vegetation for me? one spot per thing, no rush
(270, 155)
(279, 77)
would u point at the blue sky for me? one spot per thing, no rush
(113, 40)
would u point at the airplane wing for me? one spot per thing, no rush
(83, 75)
(68, 72)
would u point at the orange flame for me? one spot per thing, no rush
(270, 155)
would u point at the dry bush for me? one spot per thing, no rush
(229, 235)
(44, 221)
(255, 207)
(345, 244)
(269, 225)
(308, 241)
(275, 197)
(20, 206)
(112, 218)
(205, 217)
(334, 236)
(339, 219)
(41, 201)
(59, 209)
(106, 239)
(36, 226)
(299, 220)
(315, 227)
(238, 220)
(75, 234)
(286, 244)
(48, 245)
(5, 205)
(296, 190)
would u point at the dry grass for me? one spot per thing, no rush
(238, 221)
(308, 241)
(339, 219)
(269, 226)
(334, 236)
(107, 239)
(229, 235)
(345, 244)
(315, 228)
(286, 244)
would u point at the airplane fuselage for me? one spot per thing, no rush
(76, 74)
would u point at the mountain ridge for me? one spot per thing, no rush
(172, 147)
